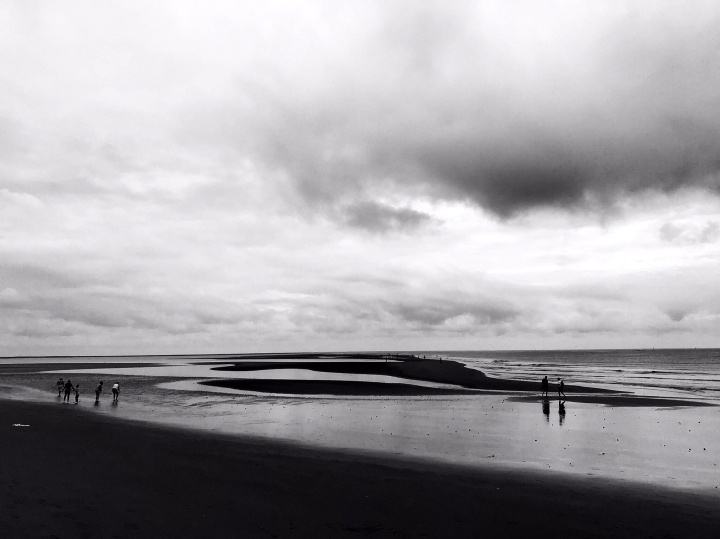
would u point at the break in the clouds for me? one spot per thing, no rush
(220, 176)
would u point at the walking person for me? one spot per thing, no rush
(60, 384)
(77, 393)
(98, 390)
(68, 388)
(545, 386)
(116, 391)
(561, 388)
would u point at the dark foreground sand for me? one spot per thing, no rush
(76, 474)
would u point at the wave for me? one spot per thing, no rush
(686, 371)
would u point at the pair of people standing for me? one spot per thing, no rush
(115, 391)
(546, 386)
(69, 389)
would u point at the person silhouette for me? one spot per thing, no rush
(561, 388)
(68, 388)
(116, 391)
(544, 384)
(77, 393)
(98, 390)
(60, 384)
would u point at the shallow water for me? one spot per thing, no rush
(208, 371)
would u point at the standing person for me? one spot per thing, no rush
(116, 391)
(561, 388)
(545, 386)
(77, 393)
(68, 389)
(60, 384)
(98, 390)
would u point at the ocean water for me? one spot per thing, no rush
(679, 372)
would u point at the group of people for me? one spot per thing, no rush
(546, 387)
(561, 395)
(67, 388)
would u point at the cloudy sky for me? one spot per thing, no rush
(183, 177)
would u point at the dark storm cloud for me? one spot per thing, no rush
(510, 108)
(507, 105)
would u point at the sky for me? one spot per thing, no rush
(241, 176)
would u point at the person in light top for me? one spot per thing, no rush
(116, 391)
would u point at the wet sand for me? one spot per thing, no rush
(661, 441)
(617, 400)
(77, 474)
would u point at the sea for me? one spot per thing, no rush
(679, 372)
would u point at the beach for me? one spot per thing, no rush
(176, 458)
(74, 474)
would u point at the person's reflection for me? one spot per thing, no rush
(561, 411)
(546, 409)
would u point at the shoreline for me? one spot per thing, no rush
(506, 433)
(142, 480)
(612, 435)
